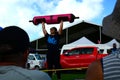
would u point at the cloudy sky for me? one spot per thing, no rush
(19, 12)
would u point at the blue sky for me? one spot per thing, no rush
(108, 6)
(19, 12)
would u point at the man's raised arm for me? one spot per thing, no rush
(61, 28)
(43, 29)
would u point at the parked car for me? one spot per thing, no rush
(35, 61)
(77, 56)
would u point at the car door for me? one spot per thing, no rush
(71, 58)
(86, 56)
(31, 60)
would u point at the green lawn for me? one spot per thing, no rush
(71, 75)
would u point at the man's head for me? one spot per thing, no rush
(14, 44)
(53, 30)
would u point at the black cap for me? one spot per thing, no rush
(15, 37)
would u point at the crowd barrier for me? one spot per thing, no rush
(66, 69)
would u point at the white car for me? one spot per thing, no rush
(35, 61)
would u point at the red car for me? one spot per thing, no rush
(53, 19)
(80, 56)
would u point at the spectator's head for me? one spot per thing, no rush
(14, 46)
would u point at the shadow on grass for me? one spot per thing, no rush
(71, 75)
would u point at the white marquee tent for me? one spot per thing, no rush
(113, 41)
(84, 40)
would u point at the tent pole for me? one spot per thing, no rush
(67, 36)
(100, 35)
(36, 44)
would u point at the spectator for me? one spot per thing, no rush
(53, 55)
(14, 49)
(108, 68)
(114, 48)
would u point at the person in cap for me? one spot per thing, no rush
(53, 54)
(14, 49)
(108, 68)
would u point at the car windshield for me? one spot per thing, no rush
(37, 56)
(65, 50)
(78, 51)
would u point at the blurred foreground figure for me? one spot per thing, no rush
(108, 68)
(14, 49)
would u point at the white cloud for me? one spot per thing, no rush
(19, 12)
(86, 9)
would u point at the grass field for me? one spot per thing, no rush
(71, 75)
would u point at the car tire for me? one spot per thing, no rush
(37, 68)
